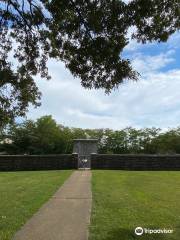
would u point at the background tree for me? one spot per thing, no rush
(167, 142)
(22, 137)
(87, 35)
(45, 136)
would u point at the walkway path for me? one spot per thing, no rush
(66, 215)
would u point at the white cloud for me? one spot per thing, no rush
(152, 101)
(148, 64)
(133, 45)
(174, 40)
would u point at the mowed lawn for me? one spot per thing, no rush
(22, 194)
(124, 200)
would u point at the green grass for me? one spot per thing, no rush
(124, 200)
(22, 194)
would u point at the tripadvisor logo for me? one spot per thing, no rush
(139, 231)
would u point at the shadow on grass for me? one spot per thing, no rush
(127, 234)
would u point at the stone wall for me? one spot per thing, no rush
(135, 162)
(98, 161)
(38, 162)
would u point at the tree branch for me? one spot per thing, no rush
(20, 13)
(82, 19)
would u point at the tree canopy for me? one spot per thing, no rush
(89, 36)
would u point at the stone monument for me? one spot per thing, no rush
(84, 148)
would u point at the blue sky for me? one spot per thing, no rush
(152, 101)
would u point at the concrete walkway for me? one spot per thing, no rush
(66, 215)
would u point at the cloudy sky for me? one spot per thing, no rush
(152, 101)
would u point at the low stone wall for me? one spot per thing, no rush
(135, 162)
(38, 162)
(98, 161)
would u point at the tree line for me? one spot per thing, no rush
(46, 136)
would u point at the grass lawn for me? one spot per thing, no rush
(22, 194)
(124, 200)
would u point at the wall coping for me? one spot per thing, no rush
(139, 155)
(38, 155)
